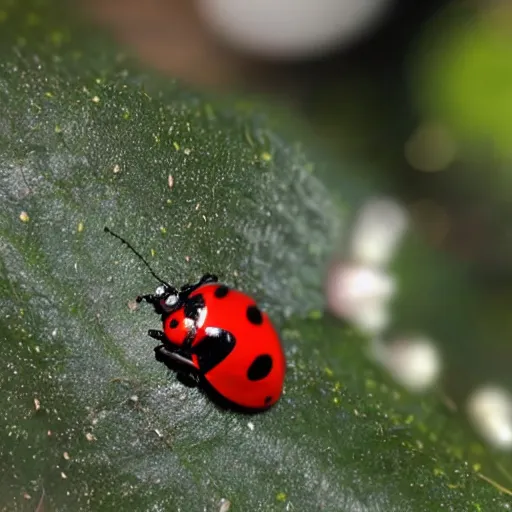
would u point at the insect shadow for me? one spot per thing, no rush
(193, 380)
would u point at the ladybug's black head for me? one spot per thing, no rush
(168, 296)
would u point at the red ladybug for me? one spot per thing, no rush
(219, 335)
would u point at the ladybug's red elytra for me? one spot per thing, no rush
(218, 335)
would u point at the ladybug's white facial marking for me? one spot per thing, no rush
(160, 291)
(201, 317)
(189, 323)
(214, 332)
(171, 300)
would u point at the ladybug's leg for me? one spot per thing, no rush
(159, 356)
(159, 336)
(167, 348)
(150, 298)
(208, 278)
(163, 339)
(187, 289)
(174, 359)
(154, 300)
(187, 375)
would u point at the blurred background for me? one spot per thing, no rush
(418, 92)
(413, 97)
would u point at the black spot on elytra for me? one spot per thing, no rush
(173, 323)
(254, 315)
(260, 367)
(221, 291)
(268, 399)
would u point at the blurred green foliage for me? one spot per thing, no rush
(462, 77)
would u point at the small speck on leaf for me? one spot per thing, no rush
(24, 217)
(37, 404)
(225, 505)
(281, 496)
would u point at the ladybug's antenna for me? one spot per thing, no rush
(138, 254)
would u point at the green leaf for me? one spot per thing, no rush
(89, 420)
(462, 76)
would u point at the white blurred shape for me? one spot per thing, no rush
(360, 294)
(372, 318)
(289, 29)
(490, 410)
(377, 231)
(415, 363)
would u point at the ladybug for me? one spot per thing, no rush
(220, 337)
